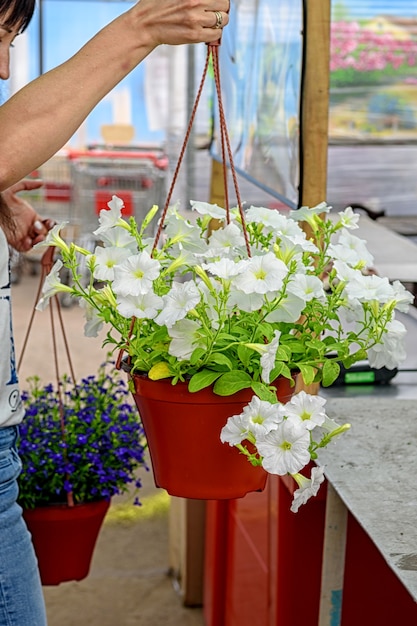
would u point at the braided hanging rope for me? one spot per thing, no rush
(227, 161)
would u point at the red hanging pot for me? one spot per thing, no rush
(183, 434)
(64, 538)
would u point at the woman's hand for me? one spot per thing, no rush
(28, 228)
(181, 21)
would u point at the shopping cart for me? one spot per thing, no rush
(52, 200)
(138, 177)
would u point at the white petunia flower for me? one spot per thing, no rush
(110, 217)
(285, 450)
(271, 218)
(268, 358)
(263, 273)
(224, 239)
(178, 301)
(402, 297)
(143, 306)
(307, 214)
(93, 323)
(119, 238)
(307, 287)
(235, 430)
(351, 250)
(51, 286)
(349, 219)
(106, 259)
(288, 310)
(257, 418)
(391, 352)
(184, 235)
(306, 408)
(135, 275)
(245, 301)
(365, 288)
(53, 238)
(205, 208)
(186, 337)
(308, 487)
(226, 268)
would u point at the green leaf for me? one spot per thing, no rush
(263, 393)
(221, 359)
(201, 380)
(232, 382)
(283, 353)
(281, 369)
(308, 373)
(197, 354)
(244, 354)
(330, 372)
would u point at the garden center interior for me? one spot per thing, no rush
(320, 106)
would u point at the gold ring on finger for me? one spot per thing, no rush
(219, 19)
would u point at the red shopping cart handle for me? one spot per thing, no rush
(159, 161)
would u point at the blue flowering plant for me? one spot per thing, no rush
(238, 306)
(85, 439)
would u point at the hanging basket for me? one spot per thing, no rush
(64, 538)
(183, 434)
(182, 428)
(64, 535)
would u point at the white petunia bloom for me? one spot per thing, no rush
(178, 301)
(308, 487)
(143, 306)
(119, 238)
(135, 275)
(306, 408)
(402, 297)
(288, 310)
(349, 218)
(106, 259)
(110, 217)
(225, 268)
(307, 287)
(285, 450)
(245, 301)
(271, 218)
(52, 286)
(391, 352)
(186, 337)
(366, 288)
(268, 358)
(184, 235)
(53, 238)
(296, 243)
(225, 239)
(263, 274)
(351, 250)
(93, 323)
(344, 272)
(205, 208)
(257, 418)
(307, 214)
(235, 430)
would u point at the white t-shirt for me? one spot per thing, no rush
(11, 407)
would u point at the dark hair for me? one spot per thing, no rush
(16, 13)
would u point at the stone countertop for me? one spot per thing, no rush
(373, 468)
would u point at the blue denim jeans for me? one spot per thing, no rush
(21, 597)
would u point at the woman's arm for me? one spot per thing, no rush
(38, 120)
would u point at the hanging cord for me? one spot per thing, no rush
(46, 266)
(212, 54)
